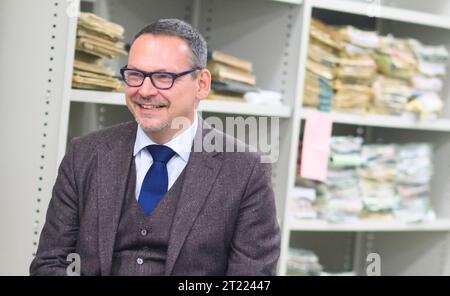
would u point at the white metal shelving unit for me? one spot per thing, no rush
(387, 121)
(396, 242)
(368, 226)
(210, 106)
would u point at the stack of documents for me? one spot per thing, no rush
(395, 58)
(321, 66)
(340, 198)
(377, 181)
(368, 181)
(357, 70)
(391, 95)
(303, 262)
(397, 65)
(97, 39)
(414, 172)
(232, 76)
(428, 82)
(302, 200)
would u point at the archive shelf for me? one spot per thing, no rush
(368, 226)
(372, 9)
(333, 240)
(211, 106)
(385, 121)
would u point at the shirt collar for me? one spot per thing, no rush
(181, 144)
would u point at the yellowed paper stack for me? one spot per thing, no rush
(232, 76)
(97, 39)
(357, 70)
(321, 66)
(397, 65)
(428, 82)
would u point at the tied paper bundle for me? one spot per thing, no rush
(91, 76)
(357, 70)
(232, 77)
(303, 262)
(397, 66)
(233, 80)
(391, 95)
(339, 199)
(368, 182)
(377, 181)
(428, 82)
(97, 39)
(321, 66)
(414, 172)
(354, 85)
(303, 199)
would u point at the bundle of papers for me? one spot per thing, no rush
(325, 35)
(377, 181)
(390, 95)
(358, 71)
(97, 39)
(302, 200)
(428, 82)
(318, 86)
(91, 76)
(321, 66)
(433, 54)
(414, 169)
(360, 38)
(100, 27)
(369, 181)
(341, 196)
(232, 76)
(303, 262)
(229, 90)
(395, 58)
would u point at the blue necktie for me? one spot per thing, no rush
(156, 180)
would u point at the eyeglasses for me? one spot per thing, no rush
(160, 80)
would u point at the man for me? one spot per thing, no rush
(139, 199)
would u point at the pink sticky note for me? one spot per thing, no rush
(316, 146)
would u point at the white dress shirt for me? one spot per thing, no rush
(181, 144)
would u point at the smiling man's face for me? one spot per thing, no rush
(155, 109)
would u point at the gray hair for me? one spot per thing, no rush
(183, 30)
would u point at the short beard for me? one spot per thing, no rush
(161, 127)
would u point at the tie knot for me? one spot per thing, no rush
(161, 153)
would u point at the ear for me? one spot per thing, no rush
(203, 84)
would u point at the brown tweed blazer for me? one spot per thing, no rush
(225, 222)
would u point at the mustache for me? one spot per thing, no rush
(151, 100)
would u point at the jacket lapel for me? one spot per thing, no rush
(201, 172)
(114, 161)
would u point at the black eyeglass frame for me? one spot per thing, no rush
(150, 74)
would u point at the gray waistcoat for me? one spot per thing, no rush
(142, 241)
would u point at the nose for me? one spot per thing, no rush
(147, 88)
